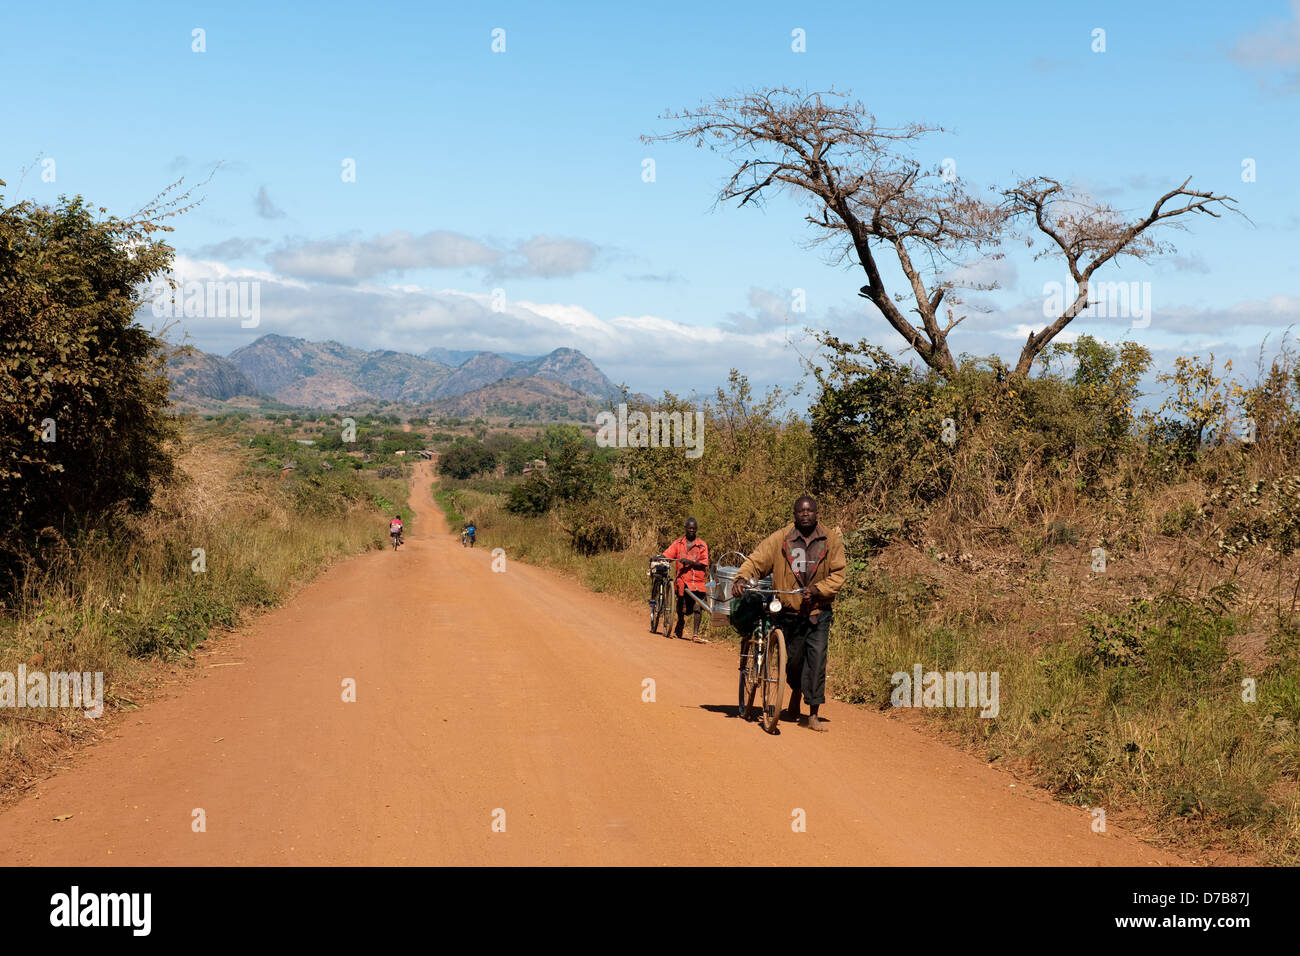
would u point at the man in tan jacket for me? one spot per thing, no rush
(807, 557)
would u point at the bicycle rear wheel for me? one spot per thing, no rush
(670, 608)
(773, 678)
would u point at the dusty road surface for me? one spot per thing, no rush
(512, 698)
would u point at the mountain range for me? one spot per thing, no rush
(329, 375)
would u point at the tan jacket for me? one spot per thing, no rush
(827, 578)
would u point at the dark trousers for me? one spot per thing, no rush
(686, 606)
(805, 647)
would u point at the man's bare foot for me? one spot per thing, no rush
(791, 716)
(815, 723)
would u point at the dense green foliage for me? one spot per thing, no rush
(465, 458)
(85, 428)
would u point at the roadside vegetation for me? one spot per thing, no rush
(1131, 575)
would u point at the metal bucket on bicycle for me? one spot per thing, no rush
(722, 607)
(719, 588)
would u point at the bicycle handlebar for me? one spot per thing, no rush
(755, 587)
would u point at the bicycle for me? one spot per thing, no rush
(397, 538)
(762, 653)
(662, 604)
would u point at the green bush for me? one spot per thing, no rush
(531, 497)
(85, 428)
(466, 458)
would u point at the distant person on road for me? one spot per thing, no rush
(395, 528)
(468, 533)
(808, 557)
(692, 556)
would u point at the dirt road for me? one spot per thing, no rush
(512, 698)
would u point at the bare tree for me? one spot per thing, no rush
(1087, 235)
(866, 193)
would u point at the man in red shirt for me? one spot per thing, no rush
(692, 556)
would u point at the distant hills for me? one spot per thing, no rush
(329, 375)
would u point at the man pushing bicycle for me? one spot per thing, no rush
(692, 557)
(808, 557)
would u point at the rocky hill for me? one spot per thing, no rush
(570, 367)
(483, 369)
(522, 399)
(198, 377)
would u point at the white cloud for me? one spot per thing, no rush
(1273, 52)
(351, 260)
(552, 256)
(989, 272)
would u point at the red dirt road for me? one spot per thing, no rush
(513, 696)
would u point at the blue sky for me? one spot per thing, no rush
(521, 171)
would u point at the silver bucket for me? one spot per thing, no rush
(720, 582)
(720, 594)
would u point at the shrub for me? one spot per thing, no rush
(85, 428)
(466, 458)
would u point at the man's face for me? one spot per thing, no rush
(690, 531)
(805, 516)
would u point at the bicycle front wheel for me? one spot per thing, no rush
(773, 678)
(656, 605)
(748, 674)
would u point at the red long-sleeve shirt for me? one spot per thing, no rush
(689, 578)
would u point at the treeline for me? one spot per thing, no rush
(897, 452)
(556, 446)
